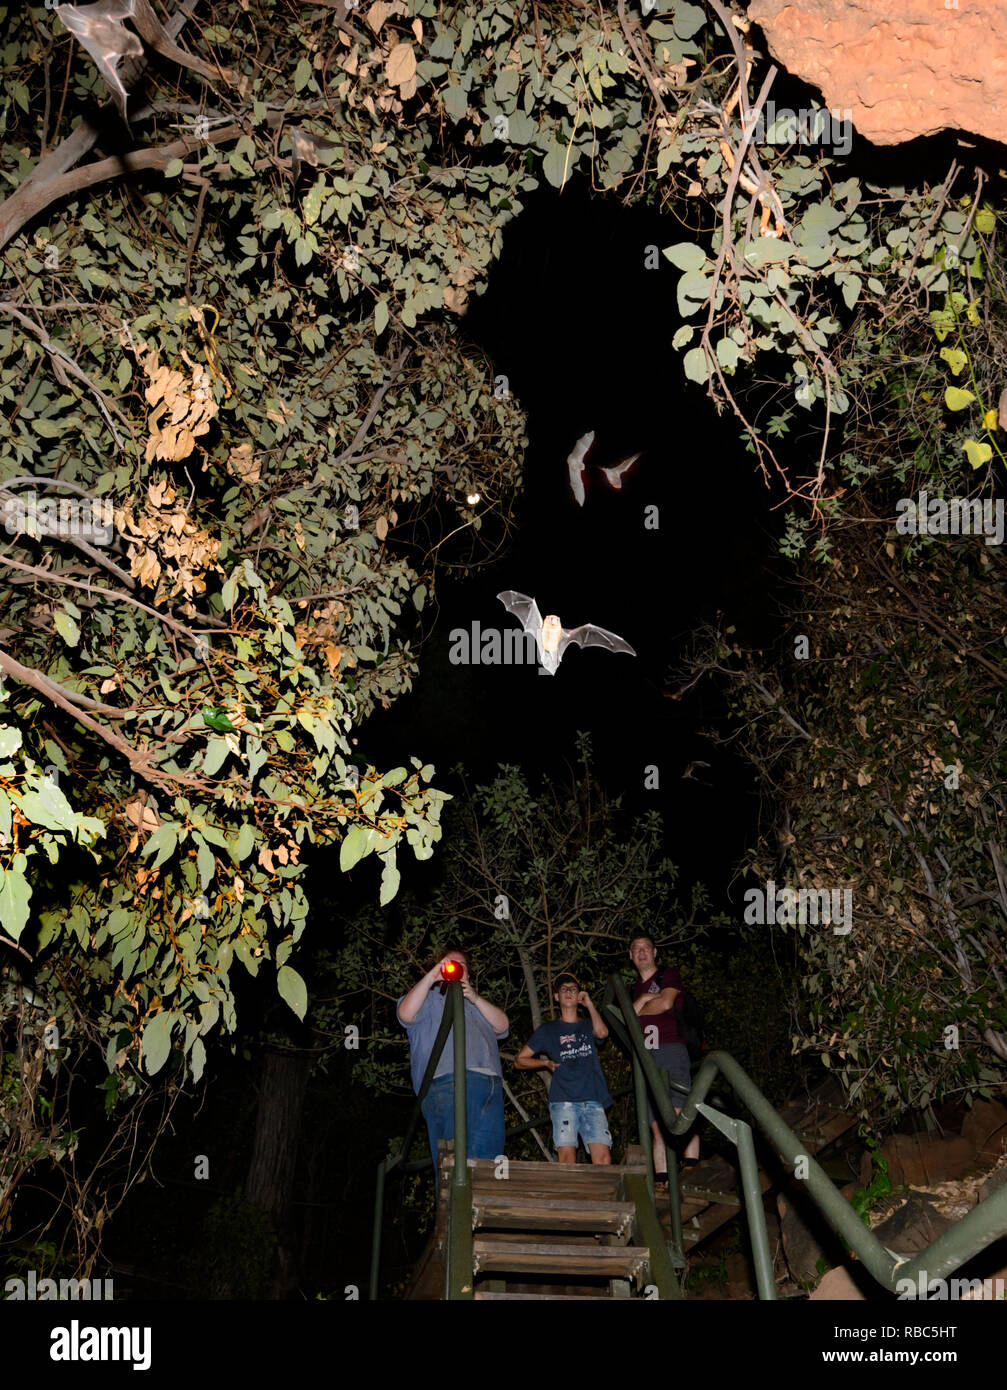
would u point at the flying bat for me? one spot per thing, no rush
(304, 149)
(551, 637)
(100, 30)
(577, 462)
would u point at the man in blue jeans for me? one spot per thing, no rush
(420, 1013)
(578, 1096)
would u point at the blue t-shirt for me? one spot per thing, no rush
(481, 1051)
(579, 1075)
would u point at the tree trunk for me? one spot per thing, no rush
(273, 1167)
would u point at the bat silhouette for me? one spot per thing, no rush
(99, 29)
(577, 462)
(304, 149)
(551, 637)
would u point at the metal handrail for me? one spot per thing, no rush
(966, 1238)
(454, 1012)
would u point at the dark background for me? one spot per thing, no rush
(582, 330)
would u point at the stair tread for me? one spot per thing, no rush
(557, 1214)
(547, 1257)
(570, 1297)
(520, 1166)
(505, 1200)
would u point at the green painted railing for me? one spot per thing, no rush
(972, 1234)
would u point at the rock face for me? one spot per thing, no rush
(838, 1285)
(809, 1244)
(901, 69)
(986, 1126)
(917, 1160)
(915, 1225)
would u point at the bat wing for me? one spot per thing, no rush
(525, 609)
(614, 474)
(99, 29)
(579, 452)
(575, 463)
(591, 636)
(577, 483)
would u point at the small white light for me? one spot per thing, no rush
(472, 498)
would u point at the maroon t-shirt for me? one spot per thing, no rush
(668, 1029)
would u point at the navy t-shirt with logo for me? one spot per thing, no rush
(579, 1076)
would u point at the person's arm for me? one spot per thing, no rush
(413, 1001)
(527, 1061)
(598, 1025)
(657, 1003)
(496, 1018)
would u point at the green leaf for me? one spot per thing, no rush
(685, 255)
(956, 360)
(157, 1042)
(292, 989)
(956, 398)
(173, 168)
(15, 893)
(214, 716)
(696, 368)
(728, 353)
(693, 291)
(380, 317)
(10, 740)
(312, 205)
(164, 840)
(49, 807)
(217, 753)
(554, 164)
(205, 861)
(354, 847)
(242, 847)
(977, 453)
(688, 20)
(67, 628)
(389, 880)
(768, 248)
(197, 1059)
(985, 221)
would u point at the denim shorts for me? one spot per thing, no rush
(583, 1117)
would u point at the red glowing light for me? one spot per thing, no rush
(451, 970)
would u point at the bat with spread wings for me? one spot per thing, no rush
(99, 29)
(551, 637)
(577, 462)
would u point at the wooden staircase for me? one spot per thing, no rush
(545, 1230)
(580, 1231)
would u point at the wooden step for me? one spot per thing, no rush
(518, 1168)
(567, 1297)
(535, 1257)
(554, 1237)
(519, 1211)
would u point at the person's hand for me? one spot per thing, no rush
(584, 998)
(468, 991)
(551, 1064)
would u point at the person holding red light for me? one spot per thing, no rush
(420, 1013)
